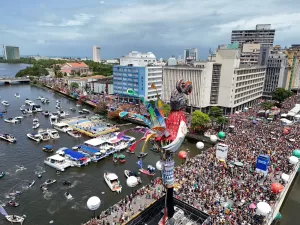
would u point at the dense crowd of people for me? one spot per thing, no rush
(226, 191)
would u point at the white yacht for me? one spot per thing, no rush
(28, 111)
(53, 133)
(17, 95)
(34, 137)
(62, 113)
(29, 102)
(58, 162)
(35, 125)
(113, 182)
(74, 133)
(63, 127)
(45, 136)
(8, 137)
(23, 107)
(53, 118)
(86, 111)
(15, 218)
(11, 120)
(76, 158)
(35, 121)
(36, 108)
(5, 103)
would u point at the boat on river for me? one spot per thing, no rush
(57, 162)
(8, 137)
(48, 182)
(44, 135)
(76, 158)
(53, 118)
(5, 103)
(63, 127)
(129, 173)
(35, 126)
(15, 218)
(53, 133)
(113, 182)
(68, 196)
(34, 137)
(29, 102)
(74, 133)
(17, 95)
(2, 174)
(150, 171)
(31, 184)
(62, 113)
(46, 113)
(94, 154)
(142, 154)
(12, 204)
(47, 148)
(11, 120)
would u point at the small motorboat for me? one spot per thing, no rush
(53, 133)
(47, 101)
(44, 188)
(150, 171)
(78, 105)
(86, 111)
(74, 133)
(67, 183)
(17, 95)
(129, 173)
(15, 218)
(47, 148)
(113, 182)
(46, 113)
(142, 154)
(31, 184)
(15, 193)
(68, 196)
(39, 98)
(11, 120)
(39, 175)
(58, 101)
(72, 109)
(128, 151)
(2, 174)
(80, 112)
(121, 158)
(48, 182)
(19, 117)
(8, 137)
(115, 158)
(44, 135)
(12, 204)
(57, 172)
(58, 106)
(5, 103)
(23, 107)
(35, 121)
(35, 126)
(35, 137)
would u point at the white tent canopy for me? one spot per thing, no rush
(94, 142)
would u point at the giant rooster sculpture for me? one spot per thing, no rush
(166, 134)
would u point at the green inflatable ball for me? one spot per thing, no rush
(221, 135)
(296, 153)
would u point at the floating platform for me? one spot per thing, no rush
(90, 126)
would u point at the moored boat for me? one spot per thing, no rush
(15, 218)
(113, 182)
(11, 120)
(63, 127)
(35, 137)
(129, 173)
(5, 103)
(150, 171)
(8, 137)
(121, 158)
(46, 113)
(53, 118)
(86, 111)
(17, 95)
(2, 174)
(48, 182)
(58, 162)
(35, 126)
(142, 154)
(31, 184)
(53, 133)
(74, 133)
(47, 148)
(12, 204)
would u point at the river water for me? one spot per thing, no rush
(87, 181)
(10, 70)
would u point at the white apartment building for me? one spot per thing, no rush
(136, 58)
(240, 85)
(96, 54)
(201, 77)
(138, 71)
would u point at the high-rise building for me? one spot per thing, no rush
(11, 52)
(96, 54)
(263, 35)
(190, 55)
(293, 77)
(137, 71)
(276, 72)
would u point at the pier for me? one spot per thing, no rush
(14, 80)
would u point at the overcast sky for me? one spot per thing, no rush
(166, 27)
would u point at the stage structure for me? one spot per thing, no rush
(166, 136)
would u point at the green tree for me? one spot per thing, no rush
(215, 112)
(267, 105)
(221, 121)
(74, 85)
(280, 94)
(199, 119)
(35, 71)
(166, 108)
(99, 68)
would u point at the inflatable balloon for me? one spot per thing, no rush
(221, 135)
(293, 160)
(296, 153)
(263, 209)
(276, 188)
(182, 155)
(213, 138)
(200, 145)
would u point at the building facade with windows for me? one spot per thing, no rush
(240, 85)
(96, 54)
(190, 55)
(11, 52)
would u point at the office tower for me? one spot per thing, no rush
(190, 55)
(11, 52)
(96, 54)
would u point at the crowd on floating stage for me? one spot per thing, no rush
(230, 193)
(128, 207)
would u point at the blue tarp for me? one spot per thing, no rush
(88, 149)
(125, 138)
(74, 155)
(48, 147)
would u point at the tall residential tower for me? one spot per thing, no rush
(11, 52)
(96, 54)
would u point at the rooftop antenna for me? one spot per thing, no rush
(211, 52)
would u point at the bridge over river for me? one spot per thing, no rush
(14, 80)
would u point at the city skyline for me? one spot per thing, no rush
(164, 28)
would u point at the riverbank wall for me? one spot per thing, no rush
(282, 196)
(189, 136)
